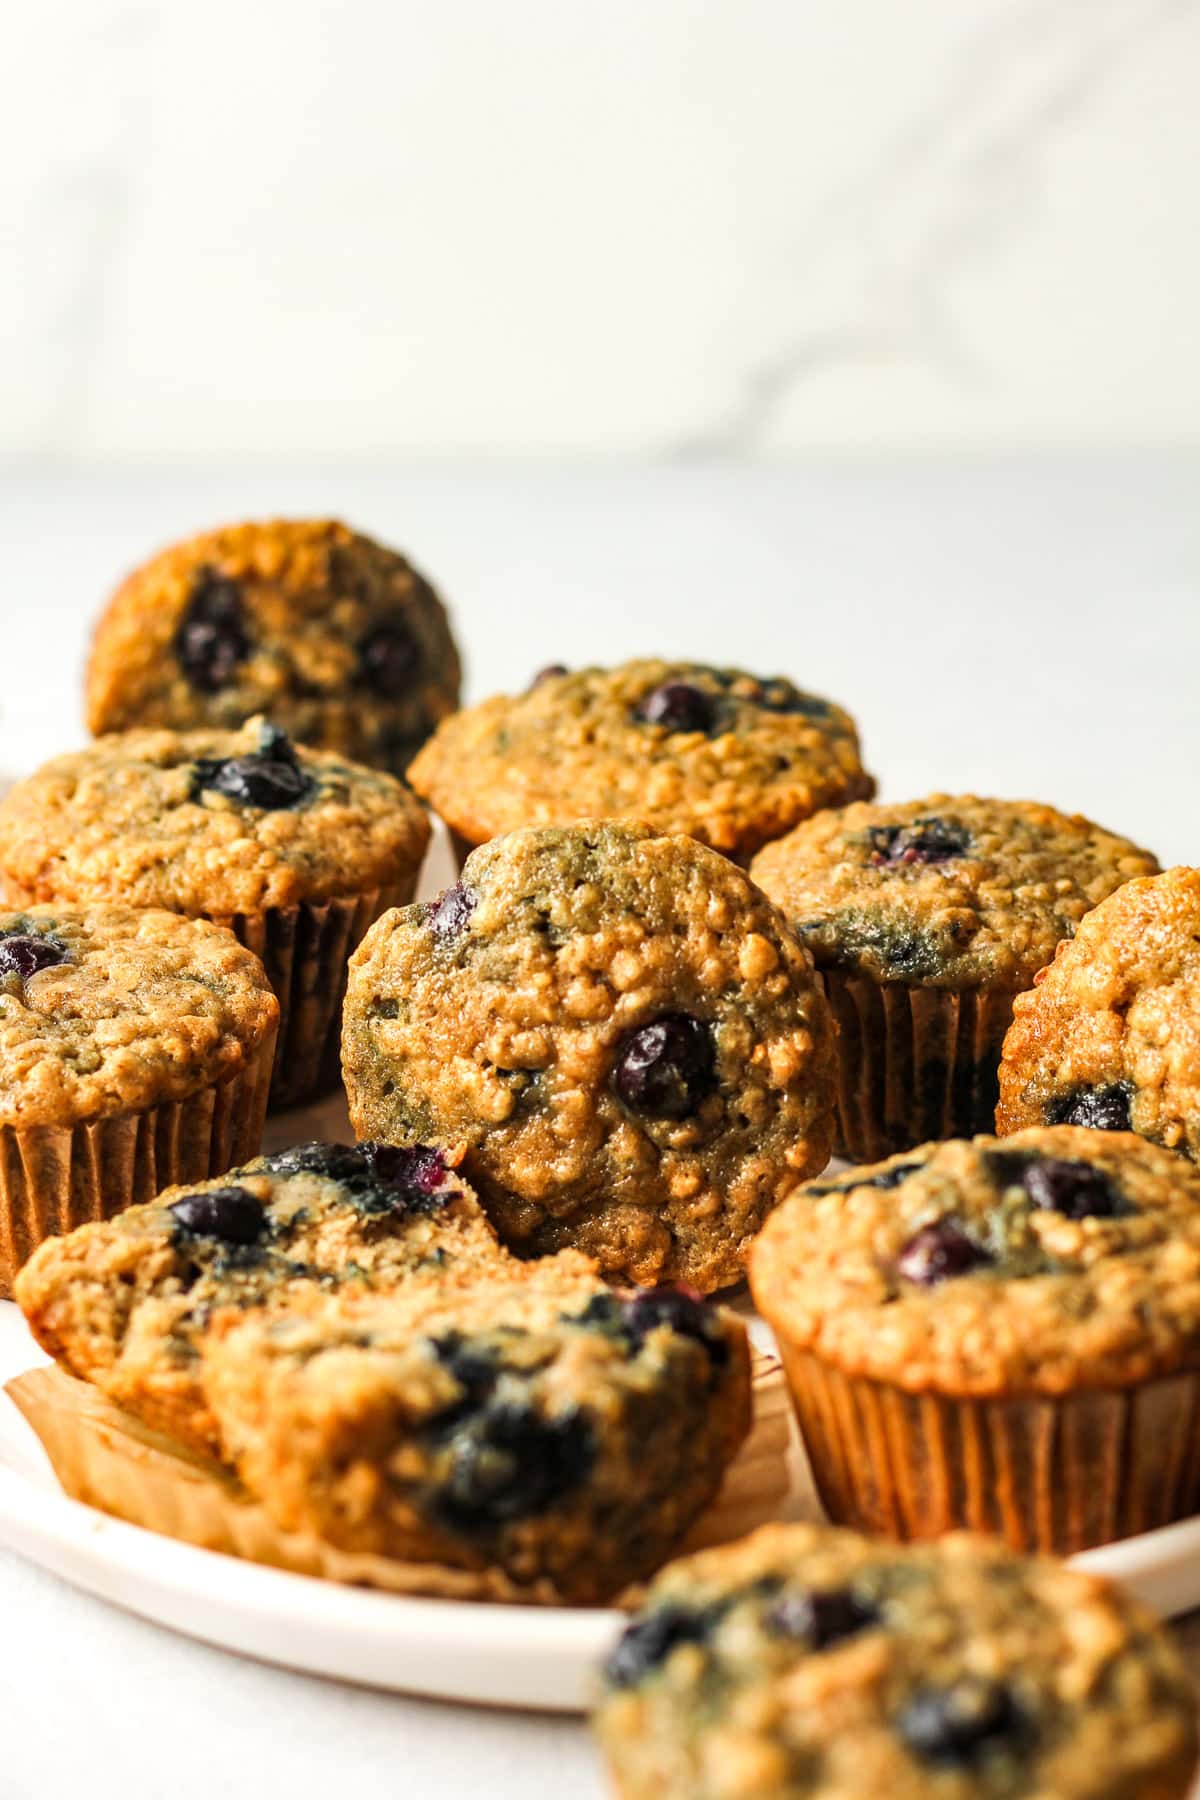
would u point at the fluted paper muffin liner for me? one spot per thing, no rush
(913, 1063)
(305, 950)
(1055, 1474)
(107, 1459)
(53, 1178)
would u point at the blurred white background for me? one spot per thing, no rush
(597, 225)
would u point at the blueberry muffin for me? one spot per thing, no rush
(620, 1030)
(336, 639)
(926, 919)
(135, 1050)
(804, 1661)
(1110, 1034)
(718, 754)
(126, 1304)
(1002, 1333)
(296, 851)
(531, 1422)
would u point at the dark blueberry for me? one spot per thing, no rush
(1100, 1109)
(924, 841)
(229, 1214)
(677, 705)
(449, 913)
(388, 658)
(212, 638)
(551, 672)
(939, 1251)
(380, 1178)
(409, 1168)
(667, 1067)
(24, 954)
(646, 1643)
(475, 1369)
(508, 1462)
(337, 1162)
(821, 1619)
(955, 1727)
(1075, 1189)
(270, 777)
(682, 1311)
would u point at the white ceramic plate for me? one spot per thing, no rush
(528, 1657)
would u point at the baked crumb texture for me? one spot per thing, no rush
(813, 1662)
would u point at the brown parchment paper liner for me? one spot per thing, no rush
(107, 1459)
(914, 1063)
(1048, 1474)
(304, 950)
(53, 1178)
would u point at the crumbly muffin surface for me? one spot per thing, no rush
(110, 1010)
(336, 638)
(946, 892)
(1043, 1263)
(1110, 1034)
(126, 1304)
(622, 1032)
(210, 822)
(804, 1661)
(721, 755)
(533, 1422)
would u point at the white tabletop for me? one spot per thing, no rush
(1012, 627)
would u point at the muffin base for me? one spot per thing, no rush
(1051, 1474)
(305, 950)
(913, 1063)
(54, 1178)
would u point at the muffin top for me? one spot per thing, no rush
(948, 892)
(336, 638)
(127, 1302)
(215, 822)
(808, 1661)
(620, 1029)
(109, 1010)
(721, 755)
(1109, 1036)
(1052, 1260)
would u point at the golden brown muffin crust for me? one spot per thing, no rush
(945, 892)
(125, 821)
(338, 639)
(575, 747)
(1110, 1033)
(503, 1015)
(1055, 1303)
(144, 1007)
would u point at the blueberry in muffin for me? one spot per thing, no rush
(1000, 1333)
(805, 1661)
(621, 1031)
(1109, 1036)
(530, 1421)
(334, 637)
(926, 919)
(728, 758)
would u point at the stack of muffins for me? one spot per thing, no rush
(598, 1079)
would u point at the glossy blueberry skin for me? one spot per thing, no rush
(633, 1316)
(821, 1619)
(665, 1069)
(450, 913)
(938, 1252)
(509, 1462)
(1098, 1109)
(24, 954)
(212, 638)
(269, 779)
(231, 1215)
(380, 1178)
(1075, 1189)
(924, 841)
(388, 658)
(954, 1728)
(646, 1643)
(678, 706)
